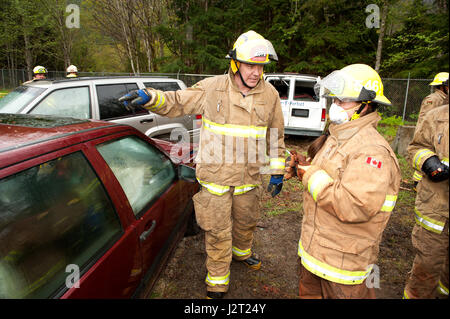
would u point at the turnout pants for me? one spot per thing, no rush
(229, 222)
(312, 286)
(429, 274)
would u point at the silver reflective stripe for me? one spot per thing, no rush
(223, 280)
(428, 223)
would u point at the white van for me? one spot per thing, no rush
(304, 112)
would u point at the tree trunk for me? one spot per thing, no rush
(28, 56)
(381, 36)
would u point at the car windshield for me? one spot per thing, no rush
(19, 98)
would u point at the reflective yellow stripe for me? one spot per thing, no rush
(239, 190)
(277, 163)
(331, 273)
(235, 130)
(419, 156)
(445, 161)
(159, 102)
(317, 182)
(389, 203)
(214, 188)
(223, 280)
(417, 176)
(442, 289)
(240, 253)
(405, 295)
(429, 223)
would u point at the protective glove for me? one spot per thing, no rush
(275, 183)
(303, 165)
(435, 169)
(136, 98)
(291, 168)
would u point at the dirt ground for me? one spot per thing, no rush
(276, 242)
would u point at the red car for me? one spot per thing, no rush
(88, 209)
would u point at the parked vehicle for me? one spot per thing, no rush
(88, 199)
(96, 98)
(304, 112)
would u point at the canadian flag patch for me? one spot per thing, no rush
(373, 162)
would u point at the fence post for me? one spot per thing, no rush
(406, 98)
(3, 80)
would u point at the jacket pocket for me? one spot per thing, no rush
(356, 252)
(262, 114)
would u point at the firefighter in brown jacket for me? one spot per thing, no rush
(432, 101)
(351, 185)
(241, 121)
(429, 151)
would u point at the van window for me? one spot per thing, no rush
(141, 169)
(163, 86)
(282, 87)
(304, 91)
(108, 103)
(70, 102)
(52, 215)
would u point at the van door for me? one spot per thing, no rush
(283, 85)
(306, 108)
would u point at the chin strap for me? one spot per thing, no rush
(357, 114)
(242, 79)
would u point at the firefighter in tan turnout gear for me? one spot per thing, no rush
(428, 152)
(351, 185)
(242, 121)
(430, 102)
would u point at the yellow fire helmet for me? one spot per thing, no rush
(440, 78)
(39, 70)
(355, 82)
(250, 47)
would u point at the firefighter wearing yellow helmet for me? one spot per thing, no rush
(432, 101)
(39, 72)
(72, 71)
(352, 179)
(242, 122)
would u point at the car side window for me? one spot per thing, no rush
(163, 86)
(108, 96)
(52, 215)
(282, 87)
(70, 102)
(141, 169)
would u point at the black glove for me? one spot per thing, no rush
(435, 170)
(276, 183)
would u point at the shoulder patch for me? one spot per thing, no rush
(372, 161)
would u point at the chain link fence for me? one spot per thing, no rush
(406, 95)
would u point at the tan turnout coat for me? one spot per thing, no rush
(352, 187)
(431, 138)
(237, 132)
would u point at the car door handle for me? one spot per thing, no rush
(146, 233)
(147, 121)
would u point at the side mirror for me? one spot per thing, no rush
(186, 173)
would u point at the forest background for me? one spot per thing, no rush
(405, 37)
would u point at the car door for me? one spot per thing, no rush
(59, 223)
(110, 109)
(148, 180)
(306, 108)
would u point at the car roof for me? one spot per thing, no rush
(20, 130)
(288, 74)
(105, 79)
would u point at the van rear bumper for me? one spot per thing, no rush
(301, 132)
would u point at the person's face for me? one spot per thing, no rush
(350, 107)
(251, 73)
(40, 76)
